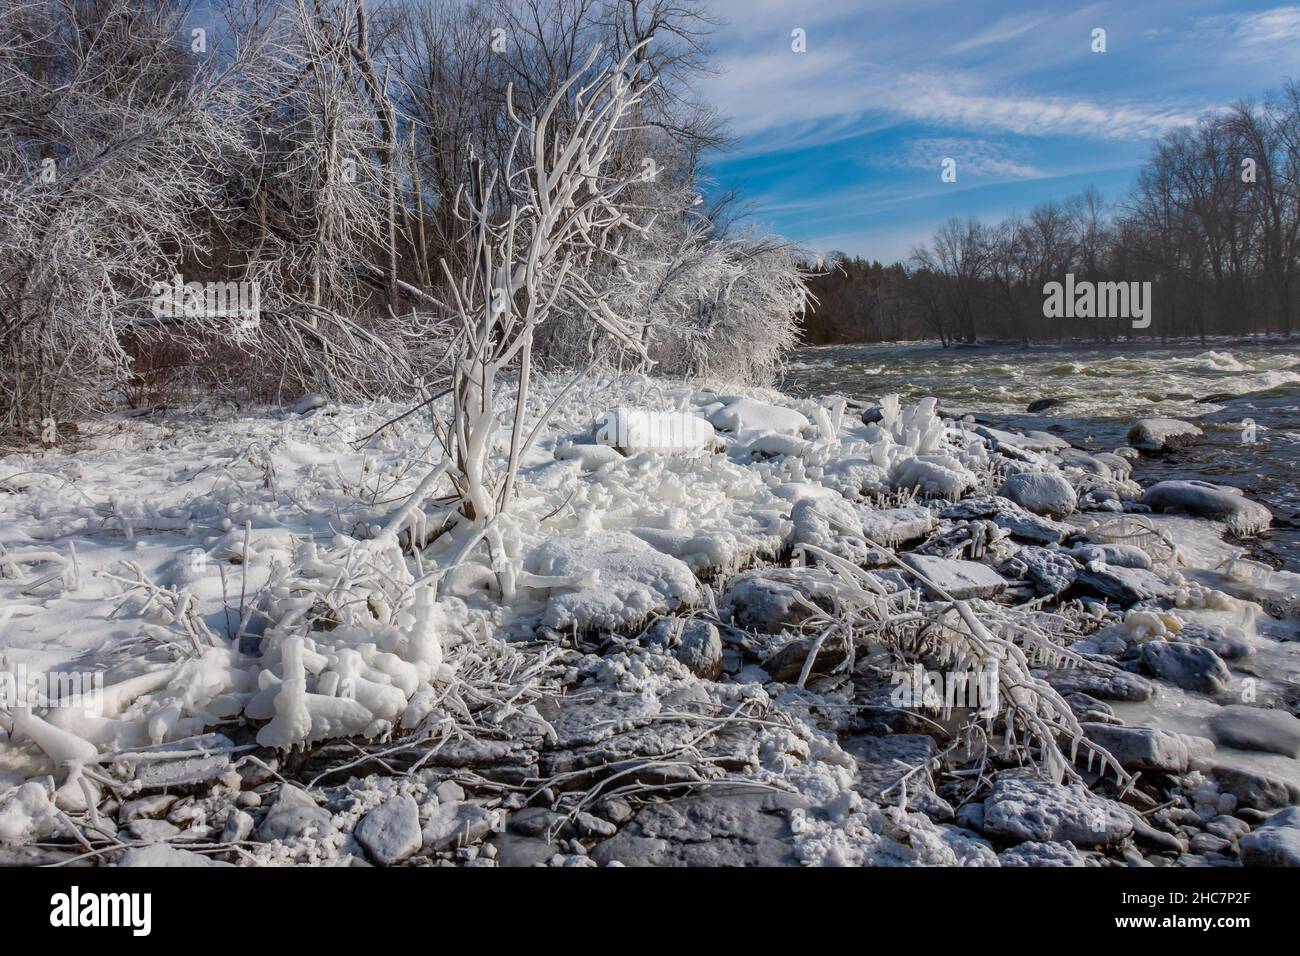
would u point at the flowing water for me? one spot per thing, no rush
(1099, 393)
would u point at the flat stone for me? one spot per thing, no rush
(1254, 728)
(1104, 683)
(894, 527)
(391, 832)
(960, 580)
(1145, 748)
(1124, 585)
(185, 775)
(1024, 807)
(152, 831)
(1187, 666)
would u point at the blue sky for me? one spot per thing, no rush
(840, 146)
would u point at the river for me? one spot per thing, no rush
(1245, 395)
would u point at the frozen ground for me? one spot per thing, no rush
(688, 643)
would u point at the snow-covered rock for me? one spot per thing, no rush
(960, 580)
(1220, 502)
(1162, 434)
(1042, 492)
(1145, 748)
(1124, 585)
(1042, 854)
(294, 816)
(1024, 807)
(747, 414)
(628, 581)
(636, 430)
(694, 642)
(1119, 555)
(894, 527)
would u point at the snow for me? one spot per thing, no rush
(560, 627)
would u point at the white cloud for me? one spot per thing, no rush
(975, 157)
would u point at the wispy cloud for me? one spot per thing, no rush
(1006, 29)
(974, 157)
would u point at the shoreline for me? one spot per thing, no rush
(664, 663)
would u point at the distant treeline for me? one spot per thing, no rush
(1213, 223)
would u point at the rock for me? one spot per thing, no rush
(152, 831)
(294, 815)
(723, 826)
(787, 664)
(1254, 728)
(1162, 434)
(184, 775)
(164, 854)
(1104, 683)
(1117, 555)
(1255, 790)
(1187, 666)
(1145, 748)
(391, 832)
(1041, 492)
(1041, 854)
(614, 809)
(1228, 827)
(831, 524)
(146, 808)
(309, 402)
(1041, 405)
(895, 527)
(589, 825)
(772, 599)
(452, 825)
(1124, 585)
(1018, 522)
(238, 826)
(1219, 502)
(1275, 843)
(514, 850)
(1024, 807)
(961, 580)
(631, 581)
(1209, 843)
(694, 642)
(539, 822)
(1227, 640)
(449, 791)
(1052, 572)
(883, 761)
(747, 414)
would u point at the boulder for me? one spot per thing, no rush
(1042, 854)
(694, 642)
(1104, 683)
(1254, 728)
(1041, 492)
(1255, 790)
(1145, 748)
(1162, 434)
(1219, 502)
(391, 832)
(1124, 585)
(1187, 666)
(1023, 807)
(1275, 843)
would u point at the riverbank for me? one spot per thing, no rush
(712, 632)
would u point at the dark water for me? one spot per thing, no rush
(1100, 393)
